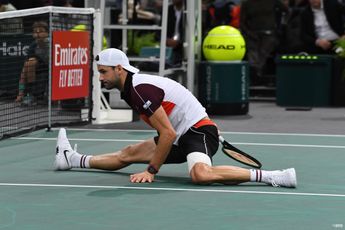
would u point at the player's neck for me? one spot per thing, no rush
(123, 78)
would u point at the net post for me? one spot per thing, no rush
(50, 72)
(96, 91)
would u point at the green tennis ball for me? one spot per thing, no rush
(224, 43)
(82, 27)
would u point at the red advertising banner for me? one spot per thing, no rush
(70, 64)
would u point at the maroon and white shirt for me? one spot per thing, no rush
(145, 93)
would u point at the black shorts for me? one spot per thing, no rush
(203, 139)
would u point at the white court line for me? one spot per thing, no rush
(234, 143)
(234, 133)
(76, 139)
(172, 189)
(110, 130)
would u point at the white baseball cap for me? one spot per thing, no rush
(114, 57)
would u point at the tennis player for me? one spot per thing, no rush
(185, 132)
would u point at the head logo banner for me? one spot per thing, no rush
(70, 64)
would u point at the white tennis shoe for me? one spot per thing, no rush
(284, 178)
(64, 152)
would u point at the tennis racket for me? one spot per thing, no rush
(238, 155)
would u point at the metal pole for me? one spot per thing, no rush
(190, 44)
(124, 31)
(163, 38)
(199, 31)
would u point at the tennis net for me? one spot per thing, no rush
(45, 68)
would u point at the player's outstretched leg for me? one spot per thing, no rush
(204, 173)
(67, 158)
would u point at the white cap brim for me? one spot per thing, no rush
(131, 69)
(114, 57)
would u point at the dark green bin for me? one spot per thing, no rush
(223, 87)
(303, 80)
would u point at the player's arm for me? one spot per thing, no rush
(160, 121)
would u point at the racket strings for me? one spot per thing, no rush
(241, 158)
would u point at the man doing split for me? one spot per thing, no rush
(185, 132)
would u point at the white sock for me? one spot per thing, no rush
(257, 175)
(79, 160)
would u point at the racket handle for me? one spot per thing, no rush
(221, 139)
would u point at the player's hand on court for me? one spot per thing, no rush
(143, 177)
